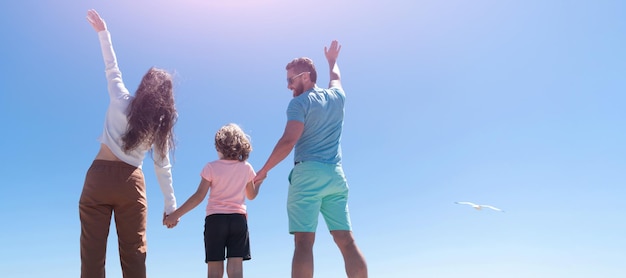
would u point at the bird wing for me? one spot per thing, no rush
(491, 207)
(465, 203)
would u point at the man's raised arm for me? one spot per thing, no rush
(332, 53)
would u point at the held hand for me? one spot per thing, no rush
(332, 52)
(260, 176)
(170, 221)
(258, 184)
(96, 21)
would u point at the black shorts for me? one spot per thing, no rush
(226, 232)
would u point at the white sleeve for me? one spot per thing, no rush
(163, 170)
(117, 90)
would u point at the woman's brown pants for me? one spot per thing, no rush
(116, 188)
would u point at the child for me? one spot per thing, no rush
(230, 179)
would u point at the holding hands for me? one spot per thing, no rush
(170, 220)
(260, 176)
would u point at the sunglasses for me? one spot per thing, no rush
(291, 79)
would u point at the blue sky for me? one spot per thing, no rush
(518, 104)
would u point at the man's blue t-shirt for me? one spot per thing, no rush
(321, 111)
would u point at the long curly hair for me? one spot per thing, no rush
(152, 114)
(233, 143)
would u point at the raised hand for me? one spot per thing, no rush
(96, 21)
(332, 52)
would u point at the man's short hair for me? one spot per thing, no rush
(303, 64)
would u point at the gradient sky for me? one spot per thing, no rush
(517, 104)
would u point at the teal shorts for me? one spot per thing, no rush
(316, 188)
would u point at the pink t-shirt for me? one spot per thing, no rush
(228, 185)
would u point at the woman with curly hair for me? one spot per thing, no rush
(114, 184)
(230, 179)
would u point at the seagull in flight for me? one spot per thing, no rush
(479, 207)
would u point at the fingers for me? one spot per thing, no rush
(334, 46)
(260, 176)
(258, 180)
(95, 20)
(332, 51)
(169, 222)
(92, 16)
(257, 184)
(170, 225)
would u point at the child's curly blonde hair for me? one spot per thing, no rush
(233, 143)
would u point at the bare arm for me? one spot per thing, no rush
(331, 54)
(252, 190)
(193, 201)
(285, 144)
